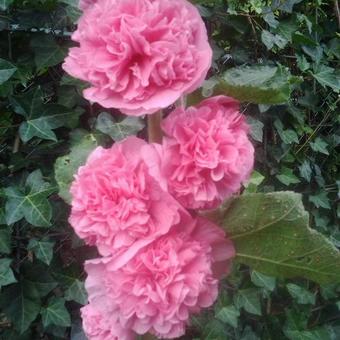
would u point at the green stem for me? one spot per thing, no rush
(154, 127)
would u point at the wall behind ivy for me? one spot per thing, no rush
(42, 115)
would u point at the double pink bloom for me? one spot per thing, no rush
(160, 262)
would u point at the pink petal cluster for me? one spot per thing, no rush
(84, 4)
(99, 326)
(165, 282)
(119, 201)
(139, 55)
(206, 152)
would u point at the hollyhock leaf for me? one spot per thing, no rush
(118, 130)
(257, 84)
(7, 69)
(66, 166)
(271, 234)
(56, 313)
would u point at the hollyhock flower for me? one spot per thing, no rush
(98, 326)
(139, 55)
(119, 201)
(158, 289)
(84, 4)
(207, 153)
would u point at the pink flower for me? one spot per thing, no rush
(139, 55)
(158, 289)
(84, 4)
(207, 153)
(120, 203)
(98, 326)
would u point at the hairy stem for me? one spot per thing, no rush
(154, 127)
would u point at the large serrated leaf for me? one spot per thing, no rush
(271, 234)
(66, 166)
(257, 84)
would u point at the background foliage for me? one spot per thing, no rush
(286, 55)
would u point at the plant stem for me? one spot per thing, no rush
(154, 127)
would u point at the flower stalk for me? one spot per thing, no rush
(154, 127)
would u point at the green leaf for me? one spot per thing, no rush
(21, 310)
(66, 166)
(6, 68)
(271, 234)
(306, 170)
(300, 294)
(288, 136)
(249, 299)
(270, 39)
(5, 241)
(6, 273)
(229, 315)
(287, 177)
(56, 313)
(4, 4)
(255, 180)
(257, 84)
(33, 205)
(43, 250)
(328, 77)
(320, 200)
(41, 118)
(302, 63)
(319, 145)
(263, 281)
(256, 129)
(118, 130)
(76, 292)
(47, 52)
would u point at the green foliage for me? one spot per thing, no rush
(278, 57)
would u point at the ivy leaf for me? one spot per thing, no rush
(20, 309)
(47, 52)
(6, 273)
(118, 130)
(33, 205)
(249, 299)
(5, 241)
(288, 136)
(319, 145)
(255, 180)
(43, 250)
(256, 129)
(76, 292)
(271, 234)
(320, 200)
(56, 313)
(66, 166)
(327, 76)
(7, 69)
(4, 4)
(306, 170)
(270, 39)
(287, 177)
(257, 84)
(229, 315)
(41, 118)
(263, 281)
(300, 294)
